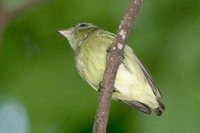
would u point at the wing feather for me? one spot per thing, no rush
(150, 79)
(129, 53)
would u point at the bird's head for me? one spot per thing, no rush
(78, 33)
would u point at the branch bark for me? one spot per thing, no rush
(113, 60)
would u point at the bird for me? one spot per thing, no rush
(133, 84)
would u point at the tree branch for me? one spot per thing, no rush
(7, 14)
(113, 60)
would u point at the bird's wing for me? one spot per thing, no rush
(145, 72)
(150, 80)
(128, 50)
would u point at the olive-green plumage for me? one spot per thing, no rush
(133, 84)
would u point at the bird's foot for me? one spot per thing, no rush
(108, 50)
(100, 86)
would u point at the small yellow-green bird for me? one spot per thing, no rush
(133, 84)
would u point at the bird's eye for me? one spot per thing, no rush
(83, 25)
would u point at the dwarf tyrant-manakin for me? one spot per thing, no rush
(133, 84)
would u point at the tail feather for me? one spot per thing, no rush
(140, 106)
(160, 109)
(144, 108)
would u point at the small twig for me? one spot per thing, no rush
(25, 6)
(7, 14)
(113, 61)
(3, 20)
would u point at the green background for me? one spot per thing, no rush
(41, 91)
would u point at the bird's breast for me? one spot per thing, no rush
(90, 62)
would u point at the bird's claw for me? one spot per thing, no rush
(108, 50)
(100, 86)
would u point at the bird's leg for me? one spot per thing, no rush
(122, 59)
(108, 50)
(100, 86)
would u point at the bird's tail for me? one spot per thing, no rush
(144, 108)
(160, 108)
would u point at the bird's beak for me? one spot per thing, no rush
(66, 32)
(62, 32)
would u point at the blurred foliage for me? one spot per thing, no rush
(37, 66)
(10, 4)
